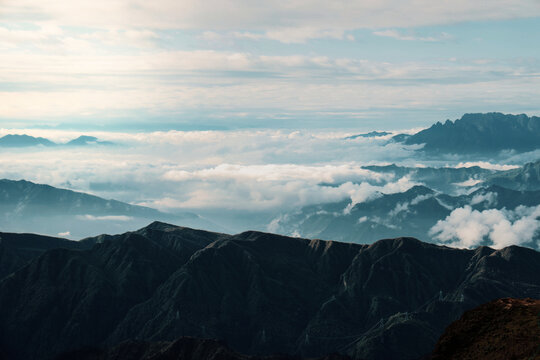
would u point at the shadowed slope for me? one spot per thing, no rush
(261, 293)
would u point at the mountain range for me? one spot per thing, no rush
(450, 179)
(29, 207)
(479, 133)
(416, 211)
(260, 293)
(16, 140)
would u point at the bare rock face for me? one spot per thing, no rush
(502, 329)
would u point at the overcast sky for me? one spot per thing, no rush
(196, 65)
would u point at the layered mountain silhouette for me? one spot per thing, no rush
(260, 293)
(411, 213)
(30, 207)
(479, 133)
(524, 178)
(500, 330)
(448, 179)
(16, 140)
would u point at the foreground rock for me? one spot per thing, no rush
(502, 329)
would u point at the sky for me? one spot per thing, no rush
(133, 65)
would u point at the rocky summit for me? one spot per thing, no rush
(259, 293)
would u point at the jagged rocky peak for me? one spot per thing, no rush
(481, 133)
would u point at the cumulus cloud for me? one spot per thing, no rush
(465, 227)
(364, 191)
(64, 234)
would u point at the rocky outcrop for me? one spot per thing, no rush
(502, 329)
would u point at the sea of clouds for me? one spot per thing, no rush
(245, 172)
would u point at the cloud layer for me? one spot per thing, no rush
(243, 14)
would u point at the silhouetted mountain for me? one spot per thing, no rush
(411, 213)
(30, 207)
(500, 330)
(24, 141)
(85, 140)
(480, 133)
(260, 293)
(185, 348)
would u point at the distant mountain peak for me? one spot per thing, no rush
(23, 140)
(85, 140)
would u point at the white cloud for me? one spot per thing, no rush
(280, 172)
(294, 35)
(243, 14)
(105, 218)
(365, 191)
(417, 200)
(400, 207)
(399, 36)
(469, 182)
(465, 227)
(486, 165)
(489, 198)
(263, 170)
(64, 234)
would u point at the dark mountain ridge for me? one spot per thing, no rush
(480, 133)
(260, 293)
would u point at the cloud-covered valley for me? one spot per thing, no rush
(255, 175)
